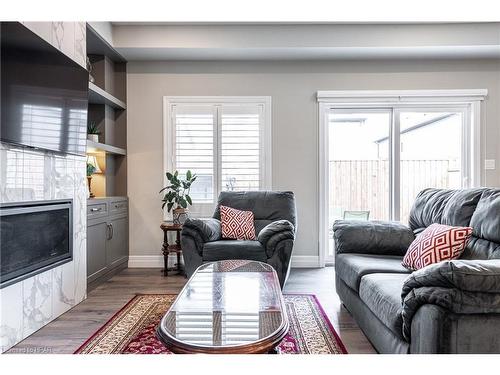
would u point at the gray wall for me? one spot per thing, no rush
(292, 86)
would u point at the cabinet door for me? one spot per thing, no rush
(96, 249)
(117, 246)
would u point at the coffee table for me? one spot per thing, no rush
(230, 306)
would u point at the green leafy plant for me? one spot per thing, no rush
(177, 193)
(90, 169)
(92, 128)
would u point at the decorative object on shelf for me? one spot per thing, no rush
(93, 132)
(167, 248)
(92, 168)
(178, 195)
(90, 68)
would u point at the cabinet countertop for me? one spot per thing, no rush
(103, 199)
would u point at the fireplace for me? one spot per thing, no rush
(34, 237)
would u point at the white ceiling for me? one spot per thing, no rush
(305, 41)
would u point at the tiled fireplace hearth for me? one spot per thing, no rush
(37, 176)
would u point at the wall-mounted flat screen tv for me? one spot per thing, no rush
(44, 93)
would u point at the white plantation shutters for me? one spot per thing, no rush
(224, 143)
(194, 148)
(240, 147)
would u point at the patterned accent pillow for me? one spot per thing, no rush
(236, 224)
(435, 244)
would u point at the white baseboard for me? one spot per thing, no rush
(305, 261)
(156, 261)
(145, 261)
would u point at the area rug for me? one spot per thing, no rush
(132, 329)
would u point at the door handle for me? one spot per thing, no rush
(109, 235)
(112, 230)
(95, 209)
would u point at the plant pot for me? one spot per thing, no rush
(93, 137)
(179, 215)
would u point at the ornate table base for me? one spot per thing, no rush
(172, 248)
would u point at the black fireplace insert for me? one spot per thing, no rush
(34, 237)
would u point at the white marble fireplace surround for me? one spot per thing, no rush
(28, 175)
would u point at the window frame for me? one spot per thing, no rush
(265, 140)
(468, 101)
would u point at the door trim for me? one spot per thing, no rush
(357, 99)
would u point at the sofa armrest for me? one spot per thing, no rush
(466, 275)
(459, 286)
(208, 230)
(275, 232)
(371, 237)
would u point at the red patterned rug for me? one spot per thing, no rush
(132, 329)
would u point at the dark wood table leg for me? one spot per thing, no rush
(165, 253)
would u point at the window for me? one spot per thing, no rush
(224, 140)
(378, 150)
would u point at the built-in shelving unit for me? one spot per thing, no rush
(107, 213)
(108, 110)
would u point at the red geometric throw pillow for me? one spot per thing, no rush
(237, 224)
(436, 243)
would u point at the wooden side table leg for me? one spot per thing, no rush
(165, 253)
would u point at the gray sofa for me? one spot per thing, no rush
(449, 307)
(275, 225)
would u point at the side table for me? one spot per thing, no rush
(171, 248)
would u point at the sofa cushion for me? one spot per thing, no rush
(381, 292)
(435, 244)
(450, 207)
(352, 267)
(233, 249)
(237, 224)
(485, 219)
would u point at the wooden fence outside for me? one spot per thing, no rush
(363, 185)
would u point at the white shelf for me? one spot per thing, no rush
(101, 147)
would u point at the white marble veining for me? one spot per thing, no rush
(37, 302)
(30, 175)
(81, 43)
(69, 37)
(63, 288)
(11, 309)
(58, 34)
(80, 228)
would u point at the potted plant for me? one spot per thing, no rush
(93, 132)
(90, 171)
(177, 195)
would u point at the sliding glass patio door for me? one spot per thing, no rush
(431, 154)
(379, 159)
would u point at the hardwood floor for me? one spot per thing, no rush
(70, 330)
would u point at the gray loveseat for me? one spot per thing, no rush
(275, 226)
(449, 307)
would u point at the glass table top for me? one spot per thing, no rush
(227, 303)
